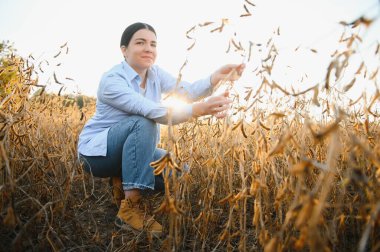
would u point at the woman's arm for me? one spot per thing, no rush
(115, 92)
(201, 88)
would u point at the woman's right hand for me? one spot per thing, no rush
(216, 105)
(231, 72)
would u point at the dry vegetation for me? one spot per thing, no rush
(270, 178)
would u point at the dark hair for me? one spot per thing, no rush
(132, 29)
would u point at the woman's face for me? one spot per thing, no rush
(141, 52)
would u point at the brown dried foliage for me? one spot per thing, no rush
(273, 180)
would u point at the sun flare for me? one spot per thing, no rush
(174, 102)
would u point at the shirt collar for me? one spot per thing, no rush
(131, 73)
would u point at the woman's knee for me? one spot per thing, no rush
(146, 125)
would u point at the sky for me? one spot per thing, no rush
(92, 30)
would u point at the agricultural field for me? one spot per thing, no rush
(272, 176)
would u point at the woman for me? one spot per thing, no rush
(120, 139)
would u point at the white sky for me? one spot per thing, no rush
(93, 30)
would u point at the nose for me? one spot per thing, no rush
(148, 47)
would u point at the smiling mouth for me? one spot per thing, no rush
(146, 57)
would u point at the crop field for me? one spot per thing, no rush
(271, 176)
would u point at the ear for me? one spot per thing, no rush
(124, 51)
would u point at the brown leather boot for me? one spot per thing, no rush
(130, 216)
(117, 190)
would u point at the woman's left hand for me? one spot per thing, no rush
(229, 72)
(216, 106)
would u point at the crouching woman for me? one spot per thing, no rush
(120, 140)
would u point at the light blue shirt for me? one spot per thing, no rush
(119, 97)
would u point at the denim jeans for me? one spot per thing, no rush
(131, 147)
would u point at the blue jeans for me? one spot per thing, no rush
(131, 147)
